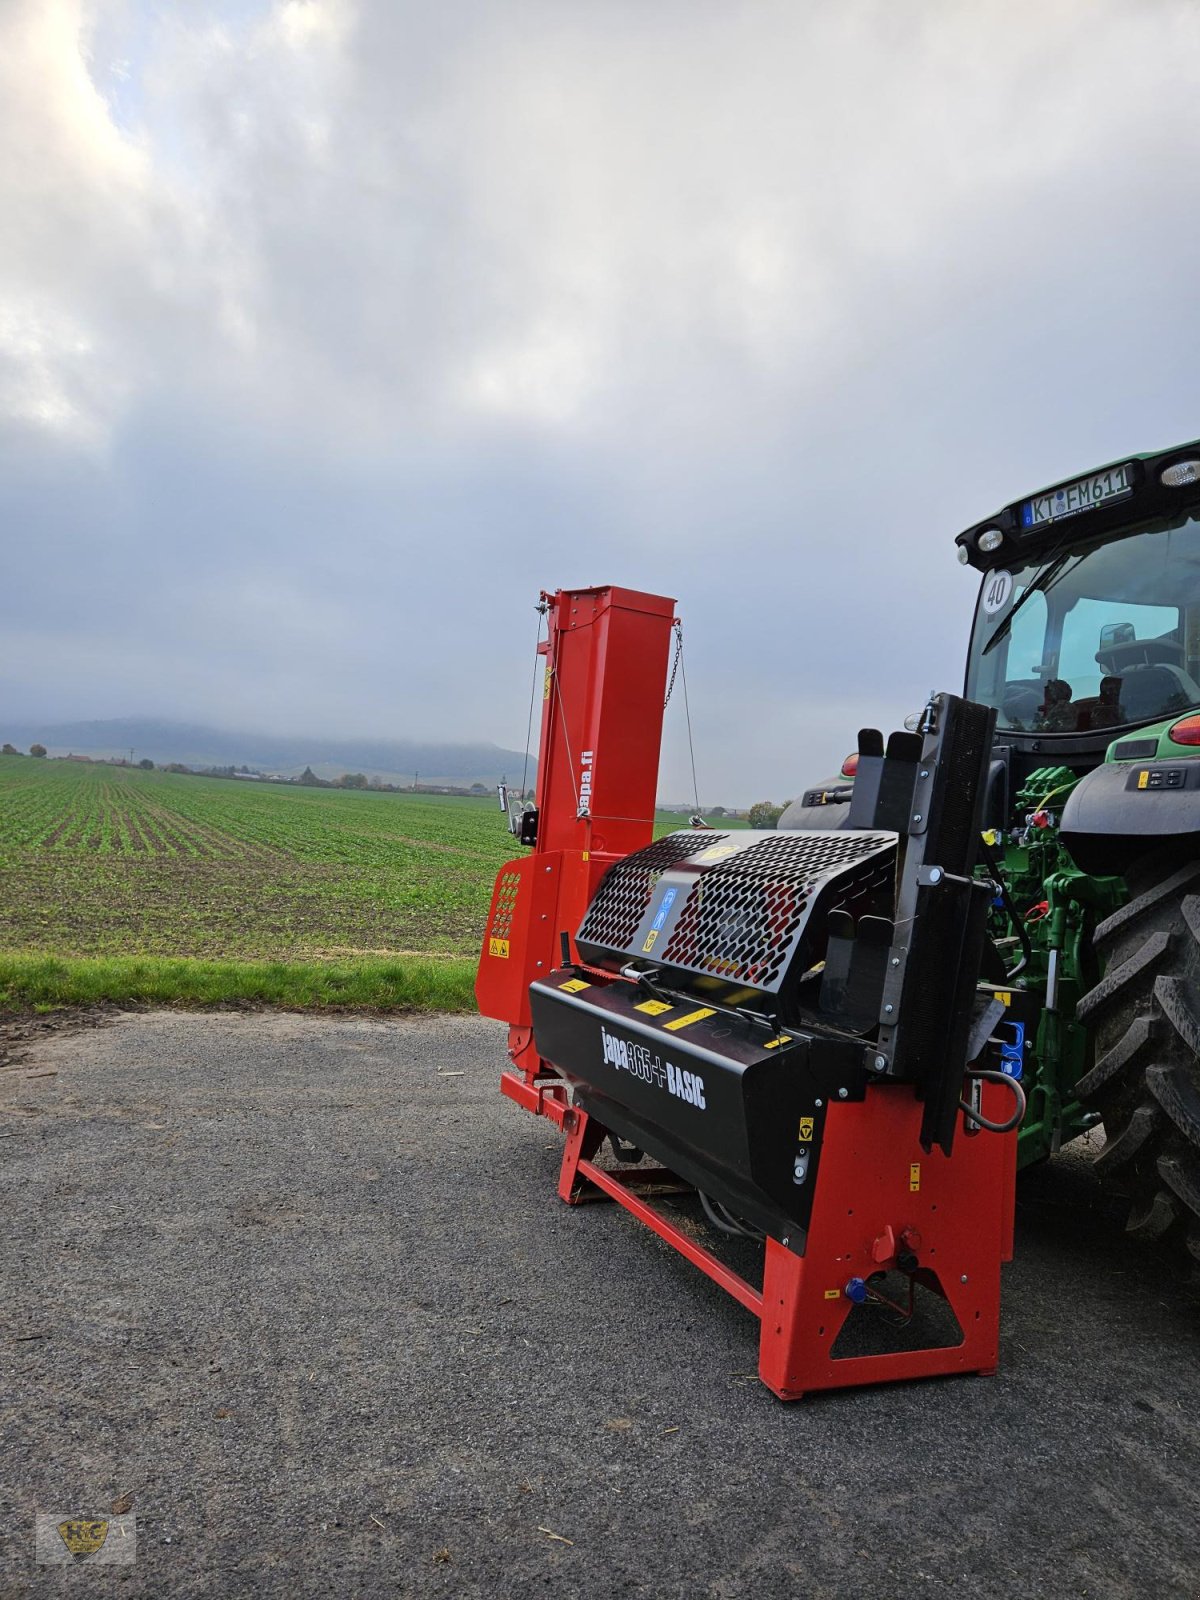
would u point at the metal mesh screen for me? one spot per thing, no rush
(743, 916)
(612, 918)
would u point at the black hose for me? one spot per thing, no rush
(980, 1121)
(993, 867)
(722, 1218)
(710, 1213)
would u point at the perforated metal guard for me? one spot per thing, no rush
(742, 918)
(508, 887)
(613, 917)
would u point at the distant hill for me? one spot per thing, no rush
(395, 760)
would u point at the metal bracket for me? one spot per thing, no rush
(918, 821)
(893, 984)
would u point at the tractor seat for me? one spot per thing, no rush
(1150, 692)
(1118, 659)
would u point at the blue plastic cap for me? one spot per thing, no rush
(856, 1290)
(1012, 1056)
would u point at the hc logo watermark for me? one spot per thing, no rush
(72, 1541)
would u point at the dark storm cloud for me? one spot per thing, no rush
(329, 333)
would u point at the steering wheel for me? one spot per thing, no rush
(1020, 705)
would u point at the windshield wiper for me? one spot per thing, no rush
(1042, 582)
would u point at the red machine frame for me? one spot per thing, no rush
(879, 1195)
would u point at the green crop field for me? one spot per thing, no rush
(119, 884)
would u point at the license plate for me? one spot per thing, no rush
(1082, 495)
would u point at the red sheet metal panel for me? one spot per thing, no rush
(605, 677)
(876, 1183)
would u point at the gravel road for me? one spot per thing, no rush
(302, 1288)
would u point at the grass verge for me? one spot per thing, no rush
(45, 983)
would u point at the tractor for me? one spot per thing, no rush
(843, 1036)
(1086, 644)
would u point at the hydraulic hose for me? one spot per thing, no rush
(993, 867)
(725, 1220)
(991, 1076)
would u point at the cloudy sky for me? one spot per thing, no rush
(332, 330)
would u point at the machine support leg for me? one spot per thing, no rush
(953, 1217)
(867, 1211)
(782, 1312)
(584, 1138)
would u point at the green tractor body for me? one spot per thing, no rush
(1086, 641)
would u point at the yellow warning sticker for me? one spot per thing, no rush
(498, 947)
(692, 1016)
(546, 683)
(914, 1176)
(780, 1038)
(574, 985)
(806, 1129)
(717, 852)
(1143, 778)
(833, 1294)
(650, 938)
(1004, 996)
(653, 1008)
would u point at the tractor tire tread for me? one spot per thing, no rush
(1182, 1177)
(1179, 1098)
(1130, 1143)
(1144, 1017)
(1123, 1055)
(1172, 1002)
(1151, 1220)
(1141, 905)
(1117, 980)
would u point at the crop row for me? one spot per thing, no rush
(112, 861)
(104, 810)
(130, 812)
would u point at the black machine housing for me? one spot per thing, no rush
(732, 984)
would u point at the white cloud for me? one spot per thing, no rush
(757, 304)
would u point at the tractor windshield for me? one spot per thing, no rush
(1106, 635)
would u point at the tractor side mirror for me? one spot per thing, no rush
(1117, 633)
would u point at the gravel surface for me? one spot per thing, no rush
(302, 1288)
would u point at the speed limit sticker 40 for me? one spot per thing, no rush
(996, 591)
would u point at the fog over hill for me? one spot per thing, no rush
(398, 760)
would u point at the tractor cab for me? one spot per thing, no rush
(1087, 624)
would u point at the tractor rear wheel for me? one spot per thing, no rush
(1144, 1016)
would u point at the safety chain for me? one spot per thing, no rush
(678, 626)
